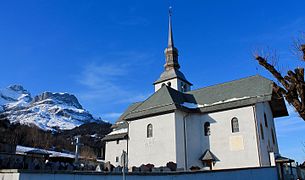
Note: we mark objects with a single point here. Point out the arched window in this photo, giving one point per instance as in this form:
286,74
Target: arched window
273,136
207,130
169,84
185,87
262,131
182,87
149,130
234,125
265,118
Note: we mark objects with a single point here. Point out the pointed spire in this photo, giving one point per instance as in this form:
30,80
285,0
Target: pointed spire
171,67
171,53
170,31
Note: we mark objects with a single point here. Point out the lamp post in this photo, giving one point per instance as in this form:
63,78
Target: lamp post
77,145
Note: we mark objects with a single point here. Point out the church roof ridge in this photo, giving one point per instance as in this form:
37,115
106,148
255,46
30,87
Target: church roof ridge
242,92
229,82
164,100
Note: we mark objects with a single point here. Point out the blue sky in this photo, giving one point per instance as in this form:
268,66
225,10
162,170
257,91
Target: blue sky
108,53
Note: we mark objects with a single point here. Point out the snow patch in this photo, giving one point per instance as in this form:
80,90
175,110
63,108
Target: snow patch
51,113
94,135
194,106
191,105
119,131
24,149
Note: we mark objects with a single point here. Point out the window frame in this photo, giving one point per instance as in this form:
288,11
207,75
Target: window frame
149,131
234,125
207,128
169,84
262,131
266,120
273,136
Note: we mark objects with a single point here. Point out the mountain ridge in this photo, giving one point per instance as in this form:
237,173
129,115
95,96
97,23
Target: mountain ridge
49,110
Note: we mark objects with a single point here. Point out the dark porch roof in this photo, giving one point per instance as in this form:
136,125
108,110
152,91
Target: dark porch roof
208,156
113,137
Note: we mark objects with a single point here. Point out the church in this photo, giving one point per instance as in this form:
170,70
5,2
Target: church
229,125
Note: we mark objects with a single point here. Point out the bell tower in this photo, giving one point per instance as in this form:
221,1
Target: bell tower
171,75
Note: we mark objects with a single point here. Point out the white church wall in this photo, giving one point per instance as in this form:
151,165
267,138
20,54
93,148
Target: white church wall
266,143
114,150
230,148
175,84
238,149
157,150
180,145
195,141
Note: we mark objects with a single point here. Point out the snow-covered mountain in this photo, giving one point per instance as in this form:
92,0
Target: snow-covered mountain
48,111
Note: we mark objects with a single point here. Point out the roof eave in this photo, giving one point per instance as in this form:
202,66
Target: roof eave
114,137
235,104
177,107
278,106
136,117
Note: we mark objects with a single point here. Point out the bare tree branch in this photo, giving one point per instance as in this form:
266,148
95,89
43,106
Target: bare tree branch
292,85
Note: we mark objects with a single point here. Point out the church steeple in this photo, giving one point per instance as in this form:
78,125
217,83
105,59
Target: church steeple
171,53
170,30
171,75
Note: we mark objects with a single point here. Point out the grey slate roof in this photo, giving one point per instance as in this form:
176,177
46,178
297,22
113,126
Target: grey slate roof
115,137
245,91
208,156
171,74
164,100
238,93
119,123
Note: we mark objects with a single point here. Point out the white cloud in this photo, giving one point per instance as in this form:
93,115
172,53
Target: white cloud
108,82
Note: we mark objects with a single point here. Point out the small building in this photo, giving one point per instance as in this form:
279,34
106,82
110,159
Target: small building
229,125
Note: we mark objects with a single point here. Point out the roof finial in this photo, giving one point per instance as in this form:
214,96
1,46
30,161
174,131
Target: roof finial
170,31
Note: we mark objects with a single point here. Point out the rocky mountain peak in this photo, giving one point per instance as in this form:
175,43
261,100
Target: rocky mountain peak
18,88
48,111
14,95
60,98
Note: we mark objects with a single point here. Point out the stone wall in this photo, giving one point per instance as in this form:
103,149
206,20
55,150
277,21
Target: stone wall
269,173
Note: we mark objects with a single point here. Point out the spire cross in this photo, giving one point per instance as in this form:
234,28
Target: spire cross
170,10
170,32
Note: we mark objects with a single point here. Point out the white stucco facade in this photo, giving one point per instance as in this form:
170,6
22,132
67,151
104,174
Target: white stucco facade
268,141
175,83
158,149
179,137
230,148
114,150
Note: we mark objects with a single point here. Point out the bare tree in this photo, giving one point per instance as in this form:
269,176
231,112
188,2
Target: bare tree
292,85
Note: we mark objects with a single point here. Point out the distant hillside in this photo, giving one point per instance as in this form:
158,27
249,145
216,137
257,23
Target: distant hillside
49,120
91,134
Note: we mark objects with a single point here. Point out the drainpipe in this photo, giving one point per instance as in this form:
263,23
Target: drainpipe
257,136
185,141
127,144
